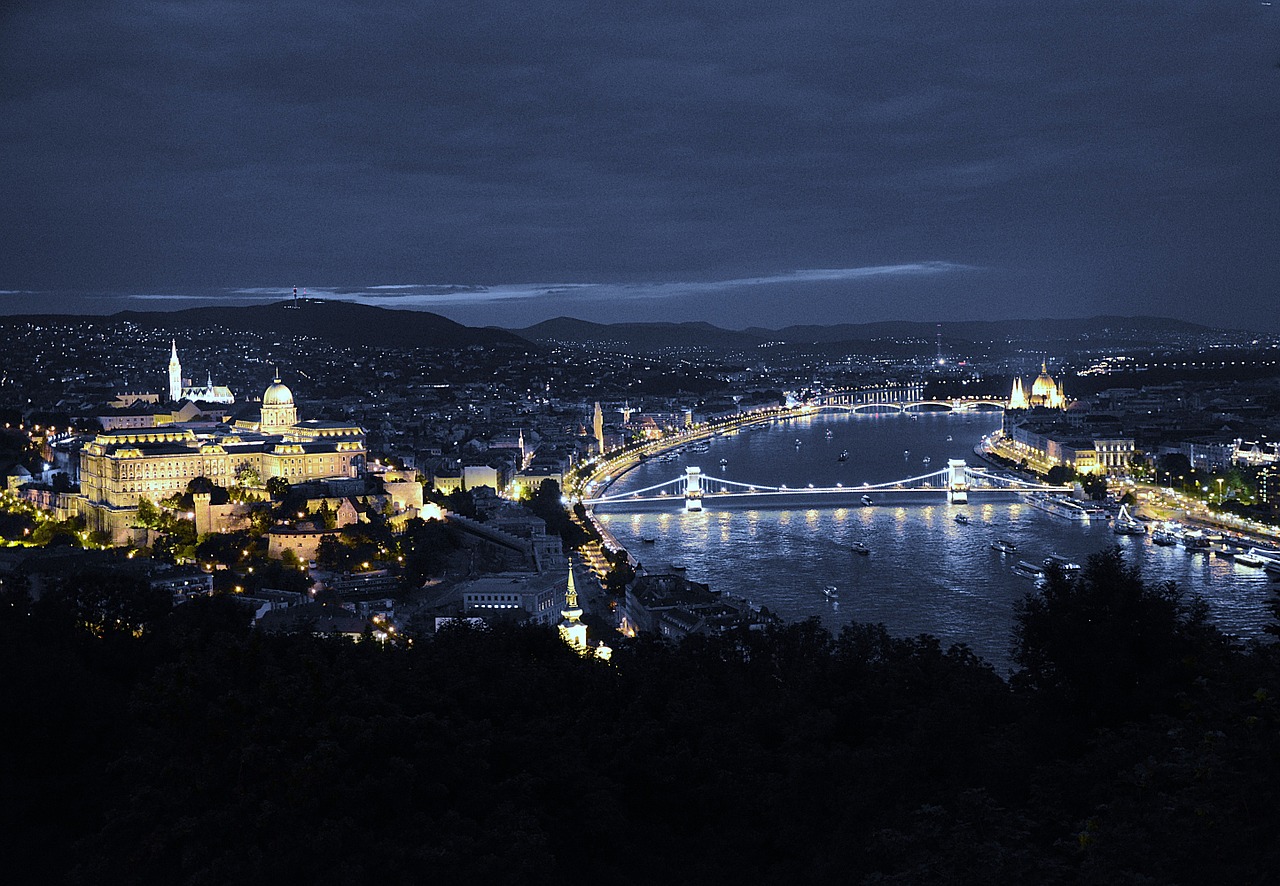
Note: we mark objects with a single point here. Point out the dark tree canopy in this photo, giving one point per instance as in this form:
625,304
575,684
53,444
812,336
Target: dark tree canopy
1107,645
200,751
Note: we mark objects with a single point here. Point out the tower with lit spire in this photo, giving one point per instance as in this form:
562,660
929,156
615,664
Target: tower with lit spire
175,373
1018,399
597,427
572,630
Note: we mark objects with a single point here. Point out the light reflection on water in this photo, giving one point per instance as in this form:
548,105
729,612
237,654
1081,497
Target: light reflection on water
926,573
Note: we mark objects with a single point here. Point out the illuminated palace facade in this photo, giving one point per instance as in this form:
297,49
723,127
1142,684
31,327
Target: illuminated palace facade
120,467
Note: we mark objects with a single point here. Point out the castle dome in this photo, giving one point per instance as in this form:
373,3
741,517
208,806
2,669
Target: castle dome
277,395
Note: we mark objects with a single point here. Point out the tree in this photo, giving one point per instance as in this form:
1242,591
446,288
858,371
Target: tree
227,548
1095,486
328,515
247,475
1173,465
278,488
106,602
1106,646
148,514
427,546
55,533
1060,475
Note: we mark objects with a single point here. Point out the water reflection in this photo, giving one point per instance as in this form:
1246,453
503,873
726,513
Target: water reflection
926,573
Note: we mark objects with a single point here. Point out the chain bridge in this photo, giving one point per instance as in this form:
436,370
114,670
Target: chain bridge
957,481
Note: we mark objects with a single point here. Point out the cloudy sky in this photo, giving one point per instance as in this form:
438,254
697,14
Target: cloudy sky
739,162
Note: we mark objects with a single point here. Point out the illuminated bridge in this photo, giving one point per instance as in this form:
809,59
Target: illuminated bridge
903,398
957,481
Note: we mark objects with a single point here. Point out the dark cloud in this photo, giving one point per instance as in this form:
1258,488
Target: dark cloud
1085,156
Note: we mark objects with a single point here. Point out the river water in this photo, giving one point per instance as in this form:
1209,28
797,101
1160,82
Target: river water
926,572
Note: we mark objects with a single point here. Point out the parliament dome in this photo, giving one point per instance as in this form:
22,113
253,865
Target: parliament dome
1044,385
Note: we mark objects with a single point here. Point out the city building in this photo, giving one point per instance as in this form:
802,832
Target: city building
1045,392
120,467
181,388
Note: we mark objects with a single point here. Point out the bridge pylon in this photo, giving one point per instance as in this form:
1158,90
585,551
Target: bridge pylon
957,482
692,489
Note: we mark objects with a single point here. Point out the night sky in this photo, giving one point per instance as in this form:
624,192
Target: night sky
740,162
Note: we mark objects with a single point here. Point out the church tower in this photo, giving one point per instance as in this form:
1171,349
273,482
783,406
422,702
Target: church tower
572,630
1018,399
175,374
597,427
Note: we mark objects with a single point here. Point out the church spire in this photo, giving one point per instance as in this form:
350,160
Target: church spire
571,610
572,630
175,372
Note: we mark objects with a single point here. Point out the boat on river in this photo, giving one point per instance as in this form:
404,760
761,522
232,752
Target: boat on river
867,500
859,548
1249,558
1195,542
1004,546
1059,506
962,519
1166,535
1027,569
844,455
830,591
1062,564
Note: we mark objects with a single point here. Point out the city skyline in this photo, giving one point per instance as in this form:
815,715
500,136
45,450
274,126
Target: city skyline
756,166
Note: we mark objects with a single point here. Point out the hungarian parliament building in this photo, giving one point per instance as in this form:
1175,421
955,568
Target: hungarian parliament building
121,466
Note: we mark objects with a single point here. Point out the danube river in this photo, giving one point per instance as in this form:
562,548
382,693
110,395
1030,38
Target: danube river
925,572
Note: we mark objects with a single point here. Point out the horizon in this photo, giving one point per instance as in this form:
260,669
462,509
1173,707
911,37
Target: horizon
114,304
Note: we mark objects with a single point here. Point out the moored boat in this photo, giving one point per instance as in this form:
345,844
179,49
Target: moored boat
1195,542
1062,564
1027,569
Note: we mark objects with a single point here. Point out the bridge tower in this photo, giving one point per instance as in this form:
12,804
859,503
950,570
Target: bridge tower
692,489
957,482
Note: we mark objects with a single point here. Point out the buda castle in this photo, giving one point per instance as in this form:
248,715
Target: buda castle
121,466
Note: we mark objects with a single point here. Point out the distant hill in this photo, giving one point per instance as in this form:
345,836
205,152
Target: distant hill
344,323
655,336
643,336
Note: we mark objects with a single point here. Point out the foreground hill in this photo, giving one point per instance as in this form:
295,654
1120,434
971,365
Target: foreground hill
1134,746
